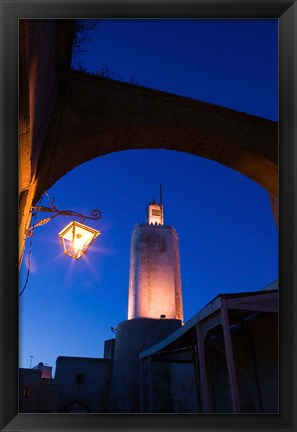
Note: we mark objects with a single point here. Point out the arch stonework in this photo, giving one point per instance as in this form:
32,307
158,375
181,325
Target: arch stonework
68,118
95,116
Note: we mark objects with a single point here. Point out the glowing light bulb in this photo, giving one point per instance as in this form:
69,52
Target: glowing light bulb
77,238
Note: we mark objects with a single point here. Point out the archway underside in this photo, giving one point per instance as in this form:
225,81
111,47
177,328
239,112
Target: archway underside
95,116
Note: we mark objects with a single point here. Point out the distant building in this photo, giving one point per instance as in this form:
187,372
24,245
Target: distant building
46,371
84,383
223,360
38,392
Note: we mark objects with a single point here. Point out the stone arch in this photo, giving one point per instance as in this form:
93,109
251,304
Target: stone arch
77,405
95,116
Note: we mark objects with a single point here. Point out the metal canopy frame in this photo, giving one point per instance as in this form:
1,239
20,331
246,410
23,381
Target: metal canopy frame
225,311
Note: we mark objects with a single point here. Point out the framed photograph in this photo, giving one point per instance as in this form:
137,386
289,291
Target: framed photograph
148,214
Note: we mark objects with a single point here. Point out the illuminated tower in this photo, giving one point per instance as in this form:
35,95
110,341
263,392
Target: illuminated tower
154,281
154,307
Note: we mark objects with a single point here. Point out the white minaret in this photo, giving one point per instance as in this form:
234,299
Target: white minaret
155,289
155,305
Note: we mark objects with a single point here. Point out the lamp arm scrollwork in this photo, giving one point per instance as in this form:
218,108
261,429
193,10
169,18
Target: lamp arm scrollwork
95,215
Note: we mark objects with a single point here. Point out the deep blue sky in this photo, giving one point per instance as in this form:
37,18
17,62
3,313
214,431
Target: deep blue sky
228,237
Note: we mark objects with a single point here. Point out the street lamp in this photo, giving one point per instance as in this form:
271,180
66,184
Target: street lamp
77,238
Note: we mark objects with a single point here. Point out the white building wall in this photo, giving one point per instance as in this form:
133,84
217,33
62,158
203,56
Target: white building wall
154,279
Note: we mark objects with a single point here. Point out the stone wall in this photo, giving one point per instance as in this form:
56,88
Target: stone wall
83,381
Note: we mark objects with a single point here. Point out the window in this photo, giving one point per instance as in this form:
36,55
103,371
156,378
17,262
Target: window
79,379
26,392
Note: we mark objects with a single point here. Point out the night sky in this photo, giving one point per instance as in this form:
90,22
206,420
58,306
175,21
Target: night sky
228,237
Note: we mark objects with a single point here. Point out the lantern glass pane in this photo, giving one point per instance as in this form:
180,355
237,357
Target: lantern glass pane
77,238
83,233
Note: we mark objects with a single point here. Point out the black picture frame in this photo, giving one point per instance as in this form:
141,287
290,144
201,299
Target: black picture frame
286,13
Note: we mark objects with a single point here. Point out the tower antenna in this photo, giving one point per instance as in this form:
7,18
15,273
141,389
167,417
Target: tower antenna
160,194
31,356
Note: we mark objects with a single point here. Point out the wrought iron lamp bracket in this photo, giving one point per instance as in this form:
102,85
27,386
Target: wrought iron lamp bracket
95,215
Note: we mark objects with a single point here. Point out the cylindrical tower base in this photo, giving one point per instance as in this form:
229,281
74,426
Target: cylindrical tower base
134,336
